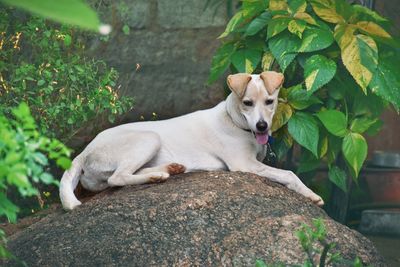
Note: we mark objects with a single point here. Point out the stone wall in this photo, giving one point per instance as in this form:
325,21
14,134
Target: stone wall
173,43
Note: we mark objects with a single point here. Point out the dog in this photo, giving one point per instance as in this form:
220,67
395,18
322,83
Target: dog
231,136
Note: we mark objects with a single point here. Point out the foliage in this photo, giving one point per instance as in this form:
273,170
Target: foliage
314,243
309,237
24,155
340,72
41,65
74,12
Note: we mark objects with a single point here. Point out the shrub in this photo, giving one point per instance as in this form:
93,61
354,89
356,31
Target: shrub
340,72
24,154
41,64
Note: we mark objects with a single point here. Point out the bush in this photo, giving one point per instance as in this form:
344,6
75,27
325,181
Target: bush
340,67
41,64
24,154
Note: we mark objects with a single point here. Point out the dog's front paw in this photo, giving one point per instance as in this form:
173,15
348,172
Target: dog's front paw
316,199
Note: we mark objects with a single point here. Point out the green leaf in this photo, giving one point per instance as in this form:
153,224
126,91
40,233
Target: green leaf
375,128
74,12
305,17
280,46
318,71
11,158
304,129
22,111
281,117
126,29
7,208
46,178
322,146
300,99
67,40
18,179
41,82
373,29
334,121
359,54
234,23
64,162
277,25
355,151
386,81
360,125
267,61
334,147
278,5
297,6
246,60
40,158
361,13
255,43
258,23
221,61
297,27
315,39
282,143
338,177
308,162
249,10
260,263
326,10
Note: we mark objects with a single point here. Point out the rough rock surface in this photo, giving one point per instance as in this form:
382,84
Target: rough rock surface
197,219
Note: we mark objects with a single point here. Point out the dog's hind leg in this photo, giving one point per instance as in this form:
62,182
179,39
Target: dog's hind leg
143,148
146,175
172,169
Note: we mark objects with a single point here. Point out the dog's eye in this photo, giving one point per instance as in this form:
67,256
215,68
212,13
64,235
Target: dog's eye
269,101
248,103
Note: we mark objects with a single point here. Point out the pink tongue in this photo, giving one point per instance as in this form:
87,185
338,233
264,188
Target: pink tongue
262,139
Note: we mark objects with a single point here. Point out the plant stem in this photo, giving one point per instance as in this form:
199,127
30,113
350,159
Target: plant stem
322,260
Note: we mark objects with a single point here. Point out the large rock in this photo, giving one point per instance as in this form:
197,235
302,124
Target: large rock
199,219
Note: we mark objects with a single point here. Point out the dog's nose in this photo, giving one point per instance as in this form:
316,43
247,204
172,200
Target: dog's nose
262,126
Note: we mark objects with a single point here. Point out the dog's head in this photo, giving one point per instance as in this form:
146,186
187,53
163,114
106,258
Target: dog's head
258,95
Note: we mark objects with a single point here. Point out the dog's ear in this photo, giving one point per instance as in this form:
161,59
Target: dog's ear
238,83
272,80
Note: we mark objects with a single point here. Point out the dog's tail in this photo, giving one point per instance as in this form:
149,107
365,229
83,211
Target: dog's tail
68,183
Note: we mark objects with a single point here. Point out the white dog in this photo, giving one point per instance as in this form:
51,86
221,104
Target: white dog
230,136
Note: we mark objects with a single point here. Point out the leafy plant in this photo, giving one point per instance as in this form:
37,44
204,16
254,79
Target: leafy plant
314,243
24,155
339,62
310,237
42,65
